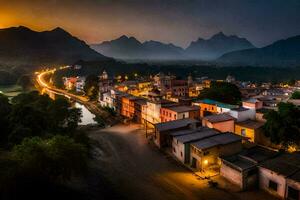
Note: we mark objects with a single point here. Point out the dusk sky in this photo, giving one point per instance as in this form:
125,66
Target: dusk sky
176,21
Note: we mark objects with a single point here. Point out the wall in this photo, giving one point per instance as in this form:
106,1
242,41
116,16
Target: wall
243,115
250,133
232,175
292,184
227,126
265,175
178,150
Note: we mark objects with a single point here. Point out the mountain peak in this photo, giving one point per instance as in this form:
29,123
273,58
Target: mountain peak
123,37
219,35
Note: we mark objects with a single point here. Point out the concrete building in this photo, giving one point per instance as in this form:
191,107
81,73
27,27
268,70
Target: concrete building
171,113
250,130
276,175
242,114
181,143
208,106
163,130
241,169
220,122
206,152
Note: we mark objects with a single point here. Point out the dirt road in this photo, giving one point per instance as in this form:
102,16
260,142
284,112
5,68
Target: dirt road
139,171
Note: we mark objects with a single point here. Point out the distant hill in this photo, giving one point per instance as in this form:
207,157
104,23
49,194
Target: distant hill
129,48
281,53
216,46
22,46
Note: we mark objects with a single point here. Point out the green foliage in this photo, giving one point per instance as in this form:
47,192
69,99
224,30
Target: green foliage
31,114
110,111
91,87
223,92
296,95
100,121
283,126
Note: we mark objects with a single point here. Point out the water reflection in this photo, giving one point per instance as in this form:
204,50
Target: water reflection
87,116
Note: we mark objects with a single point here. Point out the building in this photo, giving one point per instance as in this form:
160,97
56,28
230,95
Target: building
105,84
179,88
139,106
253,104
279,175
208,106
80,82
250,130
242,169
206,152
69,82
163,130
242,114
220,122
128,107
170,113
182,139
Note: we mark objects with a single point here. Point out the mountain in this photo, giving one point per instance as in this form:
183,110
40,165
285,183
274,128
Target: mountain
22,46
216,46
281,53
129,48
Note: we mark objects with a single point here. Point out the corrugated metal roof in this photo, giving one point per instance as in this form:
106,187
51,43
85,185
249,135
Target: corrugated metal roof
198,135
219,118
175,124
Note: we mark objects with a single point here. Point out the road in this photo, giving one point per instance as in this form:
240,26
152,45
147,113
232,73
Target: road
138,170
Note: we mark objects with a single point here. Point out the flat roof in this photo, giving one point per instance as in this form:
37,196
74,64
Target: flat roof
219,139
251,100
240,109
219,118
250,124
238,162
258,154
198,135
180,109
217,103
286,164
165,126
295,177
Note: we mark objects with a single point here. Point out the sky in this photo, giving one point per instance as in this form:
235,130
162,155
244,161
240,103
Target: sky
172,21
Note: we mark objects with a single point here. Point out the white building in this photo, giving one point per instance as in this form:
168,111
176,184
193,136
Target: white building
242,114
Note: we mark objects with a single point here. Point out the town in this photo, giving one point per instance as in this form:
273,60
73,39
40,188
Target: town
209,137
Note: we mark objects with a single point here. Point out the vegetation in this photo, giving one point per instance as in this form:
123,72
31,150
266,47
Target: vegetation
283,126
223,92
91,87
296,95
42,148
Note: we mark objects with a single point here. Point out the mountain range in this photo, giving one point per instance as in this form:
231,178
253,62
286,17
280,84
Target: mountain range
281,53
23,46
210,49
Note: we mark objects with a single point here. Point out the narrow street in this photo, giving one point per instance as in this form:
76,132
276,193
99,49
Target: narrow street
138,170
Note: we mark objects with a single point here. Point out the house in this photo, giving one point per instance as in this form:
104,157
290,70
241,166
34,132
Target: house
105,84
152,110
293,186
128,108
253,104
139,106
181,143
179,88
250,130
220,122
170,113
278,176
162,130
208,106
242,169
79,85
242,113
107,100
206,152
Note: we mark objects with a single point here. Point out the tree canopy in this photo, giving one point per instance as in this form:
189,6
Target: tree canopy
223,92
283,126
296,95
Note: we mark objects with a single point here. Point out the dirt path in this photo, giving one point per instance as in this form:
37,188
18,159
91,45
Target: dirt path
139,171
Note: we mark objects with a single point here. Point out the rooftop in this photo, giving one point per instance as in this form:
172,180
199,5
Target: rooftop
165,126
258,154
238,162
240,109
219,118
197,135
251,100
219,104
180,109
286,164
250,124
219,139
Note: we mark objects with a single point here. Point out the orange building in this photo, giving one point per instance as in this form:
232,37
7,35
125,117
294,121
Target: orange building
220,122
128,107
253,104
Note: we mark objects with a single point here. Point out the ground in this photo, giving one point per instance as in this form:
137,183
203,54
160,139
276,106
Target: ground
138,170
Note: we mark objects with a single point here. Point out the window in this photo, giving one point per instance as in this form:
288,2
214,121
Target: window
174,150
181,154
205,153
174,116
293,194
243,132
273,185
183,116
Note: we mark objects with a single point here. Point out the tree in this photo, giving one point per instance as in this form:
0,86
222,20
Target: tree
223,92
91,87
283,126
296,95
5,109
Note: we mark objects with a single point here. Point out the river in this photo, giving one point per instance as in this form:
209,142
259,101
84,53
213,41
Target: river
87,116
